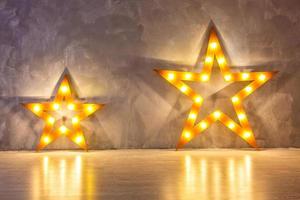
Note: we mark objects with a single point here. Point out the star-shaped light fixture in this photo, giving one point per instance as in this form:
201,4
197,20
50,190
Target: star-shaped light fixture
214,51
62,116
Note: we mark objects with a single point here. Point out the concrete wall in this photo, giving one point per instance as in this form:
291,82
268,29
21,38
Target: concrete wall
111,48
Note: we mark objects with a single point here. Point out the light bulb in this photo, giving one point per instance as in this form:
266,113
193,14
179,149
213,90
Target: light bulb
248,89
188,75
75,120
56,106
71,106
51,120
64,88
241,116
221,60
262,77
46,139
217,114
198,99
171,76
246,134
187,135
203,125
213,45
235,99
227,77
231,125
208,59
78,139
36,108
192,116
183,88
63,129
90,108
245,75
204,77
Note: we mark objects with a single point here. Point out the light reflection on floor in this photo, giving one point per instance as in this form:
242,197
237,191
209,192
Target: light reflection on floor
151,174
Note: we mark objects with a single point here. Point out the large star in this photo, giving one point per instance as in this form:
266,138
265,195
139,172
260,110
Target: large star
255,79
62,116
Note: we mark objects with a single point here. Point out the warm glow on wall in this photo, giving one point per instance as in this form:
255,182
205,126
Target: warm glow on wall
56,119
178,78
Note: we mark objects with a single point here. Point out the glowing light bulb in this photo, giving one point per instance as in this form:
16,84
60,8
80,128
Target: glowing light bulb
213,45
188,75
245,75
231,125
246,134
75,120
203,125
79,139
171,76
192,116
63,129
228,77
262,77
46,139
217,114
56,106
183,88
248,89
208,59
90,108
64,88
235,99
198,99
71,106
51,120
204,77
36,108
187,135
221,60
241,116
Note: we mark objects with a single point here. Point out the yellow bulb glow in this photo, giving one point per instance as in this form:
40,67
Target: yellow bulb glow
217,114
192,116
246,134
51,120
183,88
75,120
46,139
36,108
231,125
63,129
262,77
171,76
248,89
187,135
208,59
235,99
188,75
213,45
198,99
64,88
90,108
79,139
221,61
245,75
204,77
228,77
71,106
56,106
203,125
241,116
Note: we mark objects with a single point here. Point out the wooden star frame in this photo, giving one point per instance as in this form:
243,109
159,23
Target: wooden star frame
214,51
62,125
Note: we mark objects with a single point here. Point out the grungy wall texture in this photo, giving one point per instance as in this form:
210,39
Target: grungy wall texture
111,48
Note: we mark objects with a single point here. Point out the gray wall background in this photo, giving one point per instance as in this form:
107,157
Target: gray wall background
111,48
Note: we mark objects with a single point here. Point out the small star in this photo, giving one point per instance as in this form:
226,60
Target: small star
177,78
62,116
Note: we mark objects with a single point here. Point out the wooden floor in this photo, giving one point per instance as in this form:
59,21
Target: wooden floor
151,174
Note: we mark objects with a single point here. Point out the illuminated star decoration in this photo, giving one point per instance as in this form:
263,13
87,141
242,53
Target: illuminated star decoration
242,128
62,116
